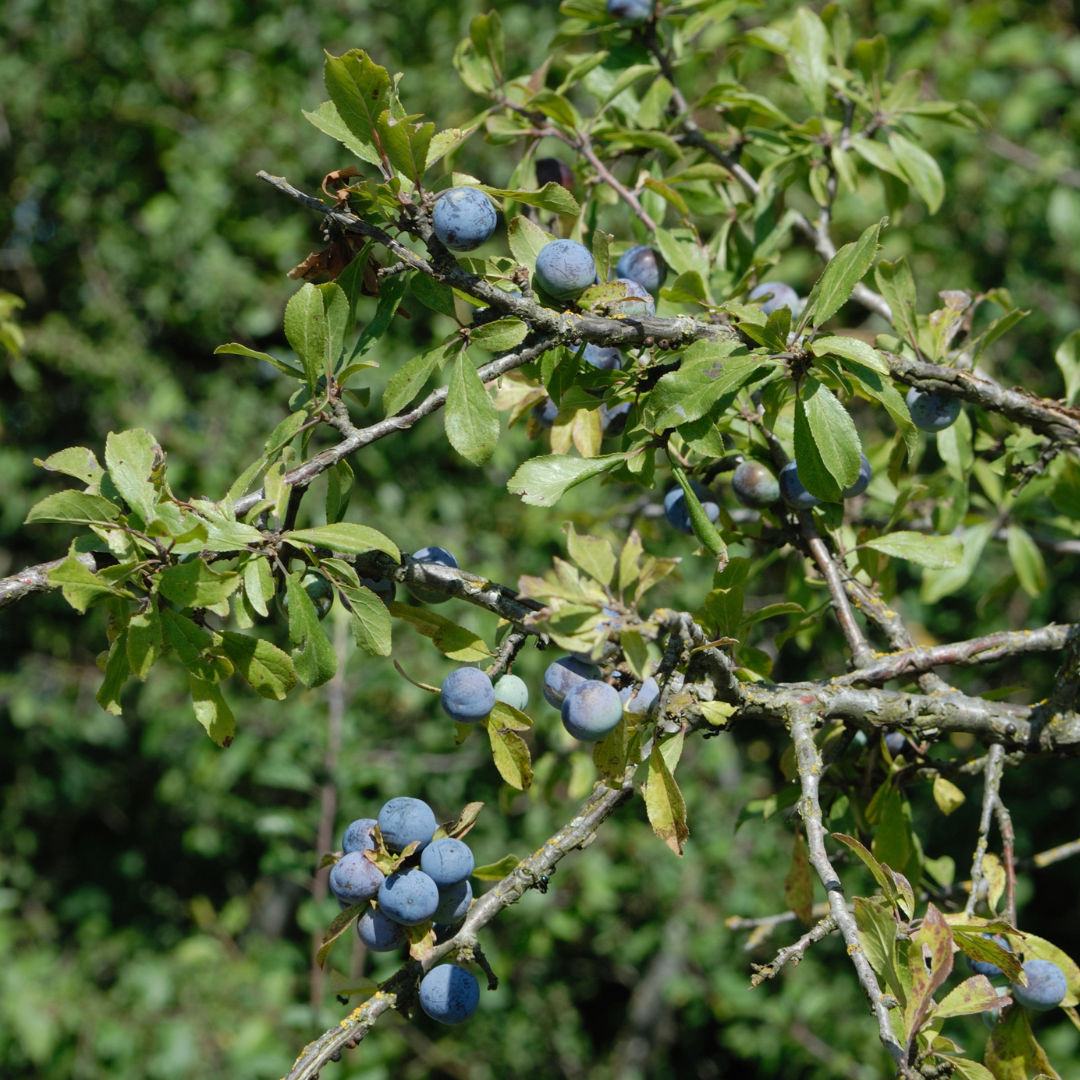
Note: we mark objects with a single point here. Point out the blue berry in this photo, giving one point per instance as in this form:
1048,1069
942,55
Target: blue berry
355,878
636,302
512,691
467,695
563,675
591,710
755,485
383,588
631,11
640,702
932,412
643,265
463,218
545,413
675,509
792,490
449,994
601,358
441,557
1046,986
403,820
379,933
408,897
358,836
782,296
613,420
454,901
862,481
896,741
565,269
980,967
447,861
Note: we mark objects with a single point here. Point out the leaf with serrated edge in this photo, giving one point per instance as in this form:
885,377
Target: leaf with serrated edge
511,755
341,923
973,995
313,656
542,481
212,711
496,871
933,552
345,537
665,805
845,270
471,419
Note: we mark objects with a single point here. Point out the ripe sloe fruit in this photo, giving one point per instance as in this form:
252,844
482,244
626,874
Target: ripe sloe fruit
792,490
639,703
1046,986
643,265
449,994
565,269
862,481
439,556
755,485
403,820
636,303
591,710
782,295
354,878
408,897
563,675
512,691
984,967
383,588
896,741
447,861
675,509
631,11
551,170
545,413
613,420
467,695
358,836
601,358
463,218
932,412
454,903
379,933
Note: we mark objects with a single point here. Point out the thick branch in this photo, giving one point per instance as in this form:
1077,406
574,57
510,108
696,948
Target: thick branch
35,579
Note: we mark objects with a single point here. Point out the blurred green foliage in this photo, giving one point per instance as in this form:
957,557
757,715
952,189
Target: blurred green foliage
155,906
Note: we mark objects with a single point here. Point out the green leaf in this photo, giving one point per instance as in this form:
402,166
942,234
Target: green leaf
259,584
338,491
877,936
878,155
496,871
370,622
212,711
313,655
486,33
391,290
434,294
939,583
921,170
449,638
193,584
1066,356
593,555
269,670
871,863
947,795
601,253
973,995
77,461
1012,1052
527,240
360,90
1027,561
242,350
308,333
933,552
845,270
706,375
73,508
411,377
542,481
405,143
342,921
826,442
82,588
129,457
799,884
193,644
703,528
117,670
954,446
881,388
472,421
445,141
511,754
345,537
145,638
896,284
808,56
552,197
499,335
851,349
664,803
336,310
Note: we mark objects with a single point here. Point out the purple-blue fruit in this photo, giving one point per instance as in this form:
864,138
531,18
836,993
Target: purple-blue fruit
755,485
467,695
862,481
454,901
643,265
781,296
613,420
441,557
895,741
677,512
636,302
355,878
449,994
403,820
358,836
379,933
932,412
563,675
603,359
551,170
792,490
383,588
408,897
512,691
463,218
447,862
983,967
565,269
545,413
1046,986
637,701
631,11
591,710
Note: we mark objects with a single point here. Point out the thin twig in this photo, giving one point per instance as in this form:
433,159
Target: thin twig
794,952
1008,855
990,796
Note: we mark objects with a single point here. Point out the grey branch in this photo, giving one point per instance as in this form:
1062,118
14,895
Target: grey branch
991,793
35,579
794,952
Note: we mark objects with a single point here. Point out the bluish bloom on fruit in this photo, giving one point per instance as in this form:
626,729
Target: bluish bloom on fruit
565,269
613,420
512,691
591,710
463,218
980,967
441,557
677,513
862,481
355,878
602,359
545,412
467,695
895,741
379,933
563,675
755,485
932,412
403,820
640,703
447,861
449,994
358,836
636,302
779,295
408,897
454,901
643,265
1046,986
631,11
551,170
792,490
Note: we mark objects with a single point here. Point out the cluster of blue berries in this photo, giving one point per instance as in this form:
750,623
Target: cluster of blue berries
591,708
430,886
1046,987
